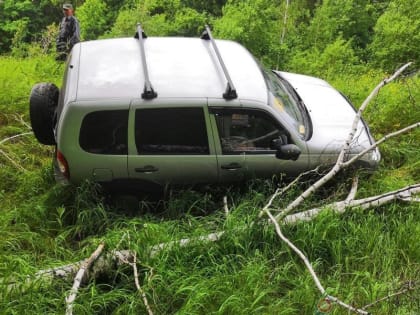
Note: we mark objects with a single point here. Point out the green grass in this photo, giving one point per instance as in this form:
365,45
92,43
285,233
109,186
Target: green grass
360,256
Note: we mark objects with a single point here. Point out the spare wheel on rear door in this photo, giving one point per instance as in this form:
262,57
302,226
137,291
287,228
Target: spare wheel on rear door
42,104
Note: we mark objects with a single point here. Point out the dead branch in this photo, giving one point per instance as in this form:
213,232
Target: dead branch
410,285
12,161
212,237
139,288
20,119
353,190
309,266
15,136
339,163
377,143
126,259
365,203
225,206
280,191
79,276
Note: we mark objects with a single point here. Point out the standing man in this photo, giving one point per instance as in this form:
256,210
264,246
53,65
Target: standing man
69,34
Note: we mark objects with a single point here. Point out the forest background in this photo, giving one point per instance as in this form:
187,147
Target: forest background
360,256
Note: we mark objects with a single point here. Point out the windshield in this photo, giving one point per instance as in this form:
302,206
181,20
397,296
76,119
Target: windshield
285,100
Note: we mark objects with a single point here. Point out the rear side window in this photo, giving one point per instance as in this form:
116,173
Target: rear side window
171,131
105,132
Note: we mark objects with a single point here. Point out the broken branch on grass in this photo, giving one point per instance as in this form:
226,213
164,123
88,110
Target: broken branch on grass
353,190
280,191
365,203
309,266
377,143
127,260
409,285
212,237
15,136
79,276
12,161
339,163
225,206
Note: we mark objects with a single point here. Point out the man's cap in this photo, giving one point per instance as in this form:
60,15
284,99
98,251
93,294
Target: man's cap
67,6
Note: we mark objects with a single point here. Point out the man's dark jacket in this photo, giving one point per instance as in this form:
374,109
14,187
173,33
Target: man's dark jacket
69,31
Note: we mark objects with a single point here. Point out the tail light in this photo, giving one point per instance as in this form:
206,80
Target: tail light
63,165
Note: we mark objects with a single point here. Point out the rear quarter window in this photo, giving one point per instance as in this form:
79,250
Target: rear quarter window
105,132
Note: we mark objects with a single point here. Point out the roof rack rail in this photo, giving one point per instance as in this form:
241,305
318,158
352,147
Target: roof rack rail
230,92
148,92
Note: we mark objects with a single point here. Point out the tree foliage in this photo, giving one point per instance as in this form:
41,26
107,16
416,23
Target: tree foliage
93,16
397,34
379,32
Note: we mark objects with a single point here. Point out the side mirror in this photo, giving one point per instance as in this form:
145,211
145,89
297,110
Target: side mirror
288,152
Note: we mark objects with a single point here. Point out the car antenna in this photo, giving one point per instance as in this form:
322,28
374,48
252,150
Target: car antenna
230,92
148,92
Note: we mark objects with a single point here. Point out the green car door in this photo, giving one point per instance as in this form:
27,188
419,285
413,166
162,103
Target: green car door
171,143
248,134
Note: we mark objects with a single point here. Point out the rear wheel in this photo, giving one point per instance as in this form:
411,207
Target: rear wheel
42,105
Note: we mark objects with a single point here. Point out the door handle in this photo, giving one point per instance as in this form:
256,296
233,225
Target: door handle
231,166
146,169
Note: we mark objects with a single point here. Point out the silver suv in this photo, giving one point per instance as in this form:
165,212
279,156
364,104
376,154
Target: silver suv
170,110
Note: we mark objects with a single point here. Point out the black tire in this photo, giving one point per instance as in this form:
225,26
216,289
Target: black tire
42,105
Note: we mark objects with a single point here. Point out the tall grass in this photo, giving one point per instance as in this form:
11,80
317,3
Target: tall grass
360,256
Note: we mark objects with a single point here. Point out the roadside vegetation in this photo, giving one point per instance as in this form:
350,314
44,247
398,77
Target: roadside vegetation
361,256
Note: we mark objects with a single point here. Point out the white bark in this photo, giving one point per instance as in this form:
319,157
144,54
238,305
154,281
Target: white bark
309,266
377,143
283,32
12,161
212,237
225,206
339,163
15,136
78,279
405,193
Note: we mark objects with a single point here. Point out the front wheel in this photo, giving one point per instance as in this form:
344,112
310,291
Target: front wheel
42,105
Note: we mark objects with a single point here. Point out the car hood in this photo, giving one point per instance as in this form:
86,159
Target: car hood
331,114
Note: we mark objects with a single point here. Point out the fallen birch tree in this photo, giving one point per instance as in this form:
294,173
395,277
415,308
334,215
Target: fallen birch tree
404,193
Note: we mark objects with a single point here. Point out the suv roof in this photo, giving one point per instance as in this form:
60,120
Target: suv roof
178,67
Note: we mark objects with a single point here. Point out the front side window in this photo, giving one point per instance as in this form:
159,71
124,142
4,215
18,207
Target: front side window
171,131
247,131
105,132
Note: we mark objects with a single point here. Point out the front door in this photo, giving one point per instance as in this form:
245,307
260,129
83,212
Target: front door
170,144
248,134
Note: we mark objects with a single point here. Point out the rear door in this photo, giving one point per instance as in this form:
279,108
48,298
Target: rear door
171,143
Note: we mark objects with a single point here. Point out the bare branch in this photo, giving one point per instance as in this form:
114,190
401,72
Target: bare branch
377,143
12,161
409,199
15,136
22,121
280,191
365,203
408,287
339,163
212,237
125,258
225,206
309,267
353,190
79,276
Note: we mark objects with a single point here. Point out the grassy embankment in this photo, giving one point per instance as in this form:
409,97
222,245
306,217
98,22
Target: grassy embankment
360,256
